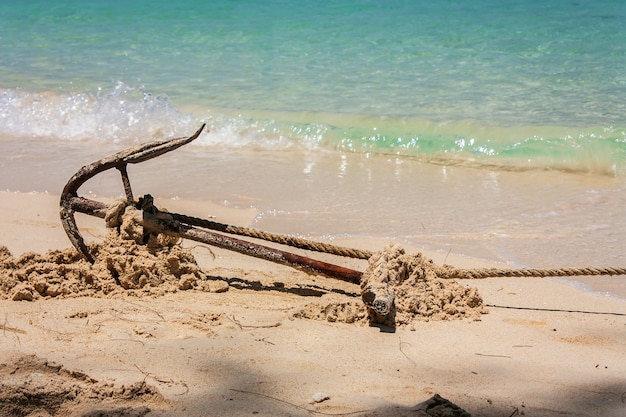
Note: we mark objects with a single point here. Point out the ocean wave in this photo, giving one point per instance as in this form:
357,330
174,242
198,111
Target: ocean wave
120,115
128,115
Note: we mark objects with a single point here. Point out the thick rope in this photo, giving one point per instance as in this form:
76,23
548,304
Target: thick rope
480,273
276,238
445,272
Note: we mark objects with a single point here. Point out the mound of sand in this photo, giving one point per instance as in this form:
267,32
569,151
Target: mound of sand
398,289
31,386
122,265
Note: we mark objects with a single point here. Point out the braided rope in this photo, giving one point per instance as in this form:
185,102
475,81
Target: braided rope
276,238
445,272
480,273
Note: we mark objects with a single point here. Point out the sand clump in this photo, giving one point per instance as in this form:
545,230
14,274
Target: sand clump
32,386
398,289
122,266
417,291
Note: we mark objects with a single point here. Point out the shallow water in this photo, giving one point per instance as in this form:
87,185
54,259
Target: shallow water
501,84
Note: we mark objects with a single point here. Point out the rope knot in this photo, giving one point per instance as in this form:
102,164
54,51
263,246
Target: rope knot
115,212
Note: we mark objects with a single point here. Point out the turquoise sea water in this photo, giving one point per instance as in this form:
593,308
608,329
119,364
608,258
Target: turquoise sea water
495,129
508,84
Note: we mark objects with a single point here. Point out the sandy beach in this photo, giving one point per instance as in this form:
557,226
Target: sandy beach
442,141
236,345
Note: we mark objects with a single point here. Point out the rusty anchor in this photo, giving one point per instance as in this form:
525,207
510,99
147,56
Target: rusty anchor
377,291
200,230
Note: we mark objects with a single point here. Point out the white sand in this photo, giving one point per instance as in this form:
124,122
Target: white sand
241,353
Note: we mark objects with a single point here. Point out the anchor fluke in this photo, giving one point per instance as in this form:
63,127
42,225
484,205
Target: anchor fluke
71,202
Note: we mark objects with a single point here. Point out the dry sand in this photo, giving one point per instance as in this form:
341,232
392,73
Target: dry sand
234,335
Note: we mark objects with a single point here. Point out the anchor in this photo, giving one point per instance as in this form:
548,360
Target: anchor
155,221
377,292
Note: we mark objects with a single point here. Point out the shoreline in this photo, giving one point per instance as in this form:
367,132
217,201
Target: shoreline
43,210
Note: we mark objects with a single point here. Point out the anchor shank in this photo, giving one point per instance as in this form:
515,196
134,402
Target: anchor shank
269,254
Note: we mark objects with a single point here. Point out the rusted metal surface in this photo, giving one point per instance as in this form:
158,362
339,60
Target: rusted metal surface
271,254
172,227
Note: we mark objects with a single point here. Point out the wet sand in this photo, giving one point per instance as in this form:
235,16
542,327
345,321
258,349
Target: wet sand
536,219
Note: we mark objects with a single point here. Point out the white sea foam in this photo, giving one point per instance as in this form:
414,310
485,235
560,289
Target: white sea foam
120,115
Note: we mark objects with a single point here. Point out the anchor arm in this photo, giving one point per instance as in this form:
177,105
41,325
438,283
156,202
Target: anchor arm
70,201
135,155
